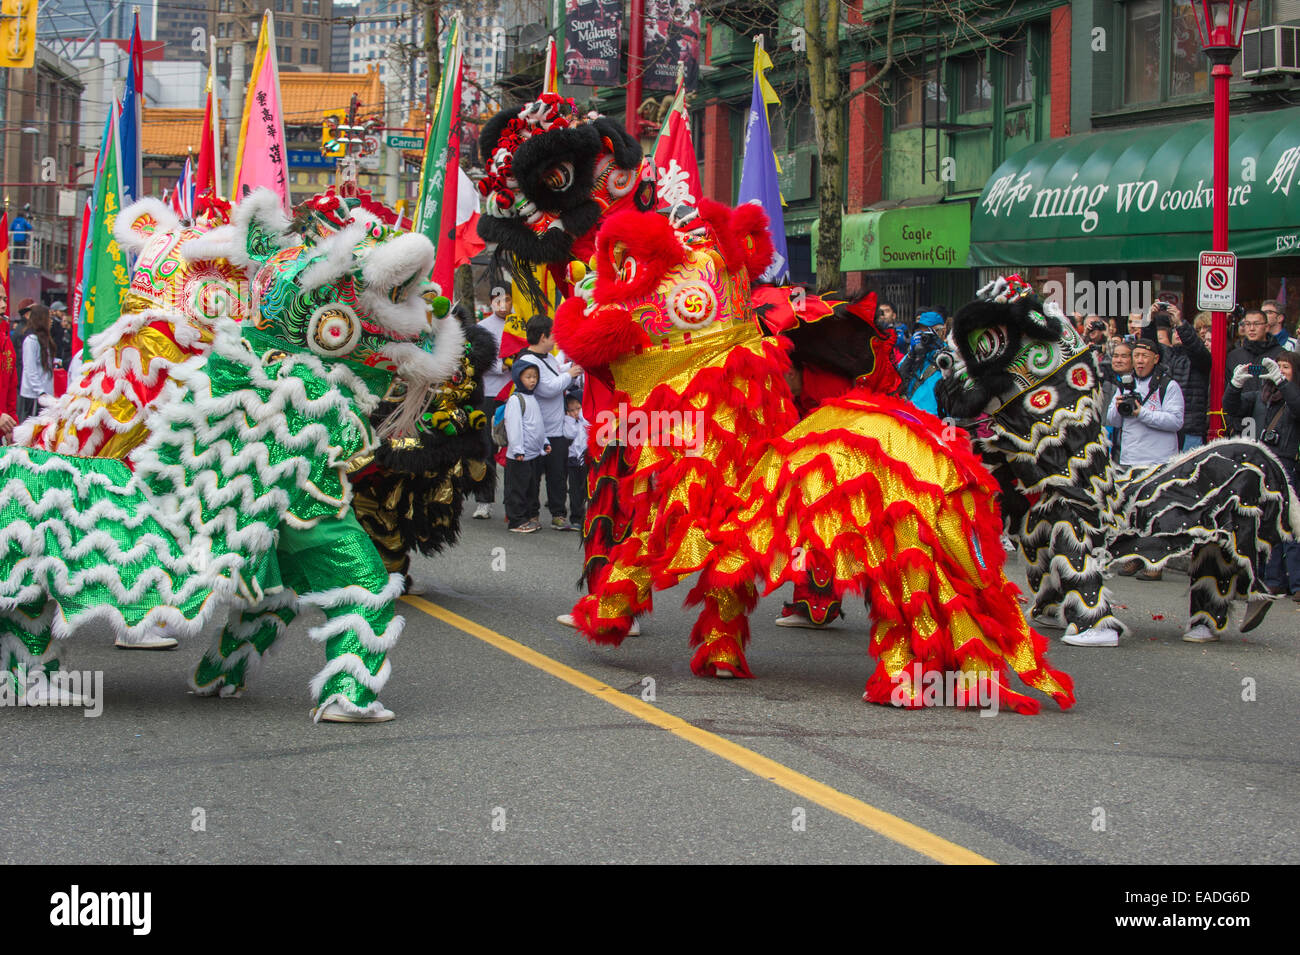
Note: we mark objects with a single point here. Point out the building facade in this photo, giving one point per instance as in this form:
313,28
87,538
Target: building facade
41,164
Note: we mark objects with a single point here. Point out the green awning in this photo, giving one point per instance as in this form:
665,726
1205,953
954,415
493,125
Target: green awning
909,237
1142,195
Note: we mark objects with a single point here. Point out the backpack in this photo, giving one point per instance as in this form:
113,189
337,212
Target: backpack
499,435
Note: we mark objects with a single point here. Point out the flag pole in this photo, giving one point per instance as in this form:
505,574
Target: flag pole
215,131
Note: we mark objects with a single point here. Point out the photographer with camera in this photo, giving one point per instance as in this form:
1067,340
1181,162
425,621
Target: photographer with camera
1271,415
918,371
1148,411
1147,408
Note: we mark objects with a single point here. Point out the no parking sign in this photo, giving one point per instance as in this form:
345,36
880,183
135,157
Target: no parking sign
1217,289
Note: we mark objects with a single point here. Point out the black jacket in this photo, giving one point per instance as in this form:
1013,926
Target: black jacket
1264,405
1248,353
1196,389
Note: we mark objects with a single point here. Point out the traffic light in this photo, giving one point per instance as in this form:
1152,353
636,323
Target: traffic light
17,33
333,144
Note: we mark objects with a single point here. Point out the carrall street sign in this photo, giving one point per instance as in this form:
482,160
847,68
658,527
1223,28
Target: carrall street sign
1217,289
406,142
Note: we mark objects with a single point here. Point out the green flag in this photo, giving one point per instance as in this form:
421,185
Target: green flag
106,276
433,172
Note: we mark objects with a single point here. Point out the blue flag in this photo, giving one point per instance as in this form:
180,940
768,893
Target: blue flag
758,182
128,129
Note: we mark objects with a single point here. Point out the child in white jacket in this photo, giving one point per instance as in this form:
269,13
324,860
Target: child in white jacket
575,429
525,452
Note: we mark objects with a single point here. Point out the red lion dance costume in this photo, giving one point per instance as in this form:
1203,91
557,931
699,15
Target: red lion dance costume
703,466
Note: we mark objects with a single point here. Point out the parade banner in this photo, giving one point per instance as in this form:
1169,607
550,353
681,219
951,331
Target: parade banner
672,37
207,179
677,174
758,175
592,29
261,152
4,263
106,274
131,123
438,184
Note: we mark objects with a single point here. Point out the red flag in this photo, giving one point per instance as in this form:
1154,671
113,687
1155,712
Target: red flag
205,178
676,170
444,267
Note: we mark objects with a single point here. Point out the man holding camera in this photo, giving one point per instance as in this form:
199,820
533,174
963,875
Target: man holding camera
1148,410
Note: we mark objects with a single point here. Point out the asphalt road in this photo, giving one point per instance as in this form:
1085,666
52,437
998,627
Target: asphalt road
494,759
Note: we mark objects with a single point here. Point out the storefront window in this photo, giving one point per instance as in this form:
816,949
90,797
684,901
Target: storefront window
973,77
1161,65
1190,72
911,93
1142,51
1020,74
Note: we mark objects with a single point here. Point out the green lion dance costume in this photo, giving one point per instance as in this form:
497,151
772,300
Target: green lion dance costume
238,510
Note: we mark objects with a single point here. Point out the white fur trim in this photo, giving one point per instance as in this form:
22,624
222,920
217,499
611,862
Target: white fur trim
389,266
263,206
356,595
336,257
217,243
353,665
124,228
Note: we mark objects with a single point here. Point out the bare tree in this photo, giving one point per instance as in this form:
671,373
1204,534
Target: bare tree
824,36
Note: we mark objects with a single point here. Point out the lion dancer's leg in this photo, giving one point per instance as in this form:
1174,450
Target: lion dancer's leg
954,620
617,590
237,653
727,596
1213,583
1062,549
29,656
334,566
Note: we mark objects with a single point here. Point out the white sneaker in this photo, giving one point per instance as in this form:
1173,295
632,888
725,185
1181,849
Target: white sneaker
799,620
568,621
722,674
154,639
483,512
335,713
1200,634
1092,637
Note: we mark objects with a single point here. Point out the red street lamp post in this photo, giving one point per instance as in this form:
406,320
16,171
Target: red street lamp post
1221,23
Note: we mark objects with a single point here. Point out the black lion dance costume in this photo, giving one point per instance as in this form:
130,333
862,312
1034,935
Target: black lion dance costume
1035,385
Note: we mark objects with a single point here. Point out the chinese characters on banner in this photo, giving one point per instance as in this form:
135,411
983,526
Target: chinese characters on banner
672,36
591,42
261,155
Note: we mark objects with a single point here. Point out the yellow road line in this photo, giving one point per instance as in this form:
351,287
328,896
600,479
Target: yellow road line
877,820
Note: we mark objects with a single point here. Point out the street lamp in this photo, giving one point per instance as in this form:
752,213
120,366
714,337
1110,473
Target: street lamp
1221,23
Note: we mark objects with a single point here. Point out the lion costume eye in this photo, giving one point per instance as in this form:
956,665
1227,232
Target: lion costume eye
559,177
333,330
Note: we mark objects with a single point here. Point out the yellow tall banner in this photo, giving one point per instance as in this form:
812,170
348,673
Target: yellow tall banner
18,33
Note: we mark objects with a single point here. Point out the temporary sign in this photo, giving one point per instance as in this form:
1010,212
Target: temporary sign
1217,289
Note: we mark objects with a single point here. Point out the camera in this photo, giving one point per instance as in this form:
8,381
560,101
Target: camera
1270,437
1128,402
1160,307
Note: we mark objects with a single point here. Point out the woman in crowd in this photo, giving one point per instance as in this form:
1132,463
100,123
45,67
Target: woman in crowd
38,362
